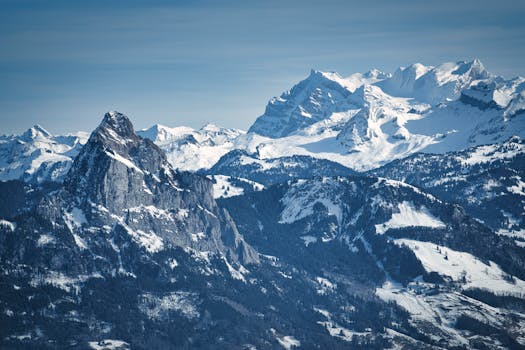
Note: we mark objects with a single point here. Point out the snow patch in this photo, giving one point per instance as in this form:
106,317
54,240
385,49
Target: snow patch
153,211
223,186
124,161
464,268
44,240
491,153
518,189
324,286
62,281
336,330
81,243
109,344
148,240
74,220
288,342
11,226
159,307
308,240
410,216
195,237
172,263
300,200
236,274
340,332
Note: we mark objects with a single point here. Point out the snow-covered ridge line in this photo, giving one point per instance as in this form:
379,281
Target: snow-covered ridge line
367,120
361,122
190,149
38,156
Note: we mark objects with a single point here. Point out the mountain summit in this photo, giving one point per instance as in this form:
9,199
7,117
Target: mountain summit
123,174
115,123
313,99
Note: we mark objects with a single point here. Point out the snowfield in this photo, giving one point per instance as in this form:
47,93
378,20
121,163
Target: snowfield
109,344
225,186
410,216
464,268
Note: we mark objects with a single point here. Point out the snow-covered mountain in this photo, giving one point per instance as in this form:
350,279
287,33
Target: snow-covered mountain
362,122
190,149
435,84
37,156
312,100
366,120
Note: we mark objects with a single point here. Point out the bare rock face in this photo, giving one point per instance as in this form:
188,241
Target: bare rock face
115,167
122,179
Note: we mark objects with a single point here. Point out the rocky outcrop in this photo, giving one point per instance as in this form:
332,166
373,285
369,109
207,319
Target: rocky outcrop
122,179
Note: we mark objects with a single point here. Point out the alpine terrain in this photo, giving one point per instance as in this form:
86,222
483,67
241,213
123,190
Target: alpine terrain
375,211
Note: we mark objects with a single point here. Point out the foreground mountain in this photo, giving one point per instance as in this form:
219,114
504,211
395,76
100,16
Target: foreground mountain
456,283
36,156
122,175
130,253
124,232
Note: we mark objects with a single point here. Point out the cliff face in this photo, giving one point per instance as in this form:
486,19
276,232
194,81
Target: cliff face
120,178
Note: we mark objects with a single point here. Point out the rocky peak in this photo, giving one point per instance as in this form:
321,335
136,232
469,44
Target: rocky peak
475,69
119,123
120,178
375,73
114,166
115,132
210,127
36,132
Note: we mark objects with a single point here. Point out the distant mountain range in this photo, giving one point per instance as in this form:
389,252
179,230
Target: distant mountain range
378,211
361,122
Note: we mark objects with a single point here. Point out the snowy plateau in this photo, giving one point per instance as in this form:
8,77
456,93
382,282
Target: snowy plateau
375,211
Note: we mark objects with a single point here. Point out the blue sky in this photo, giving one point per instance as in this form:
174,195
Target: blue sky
64,63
